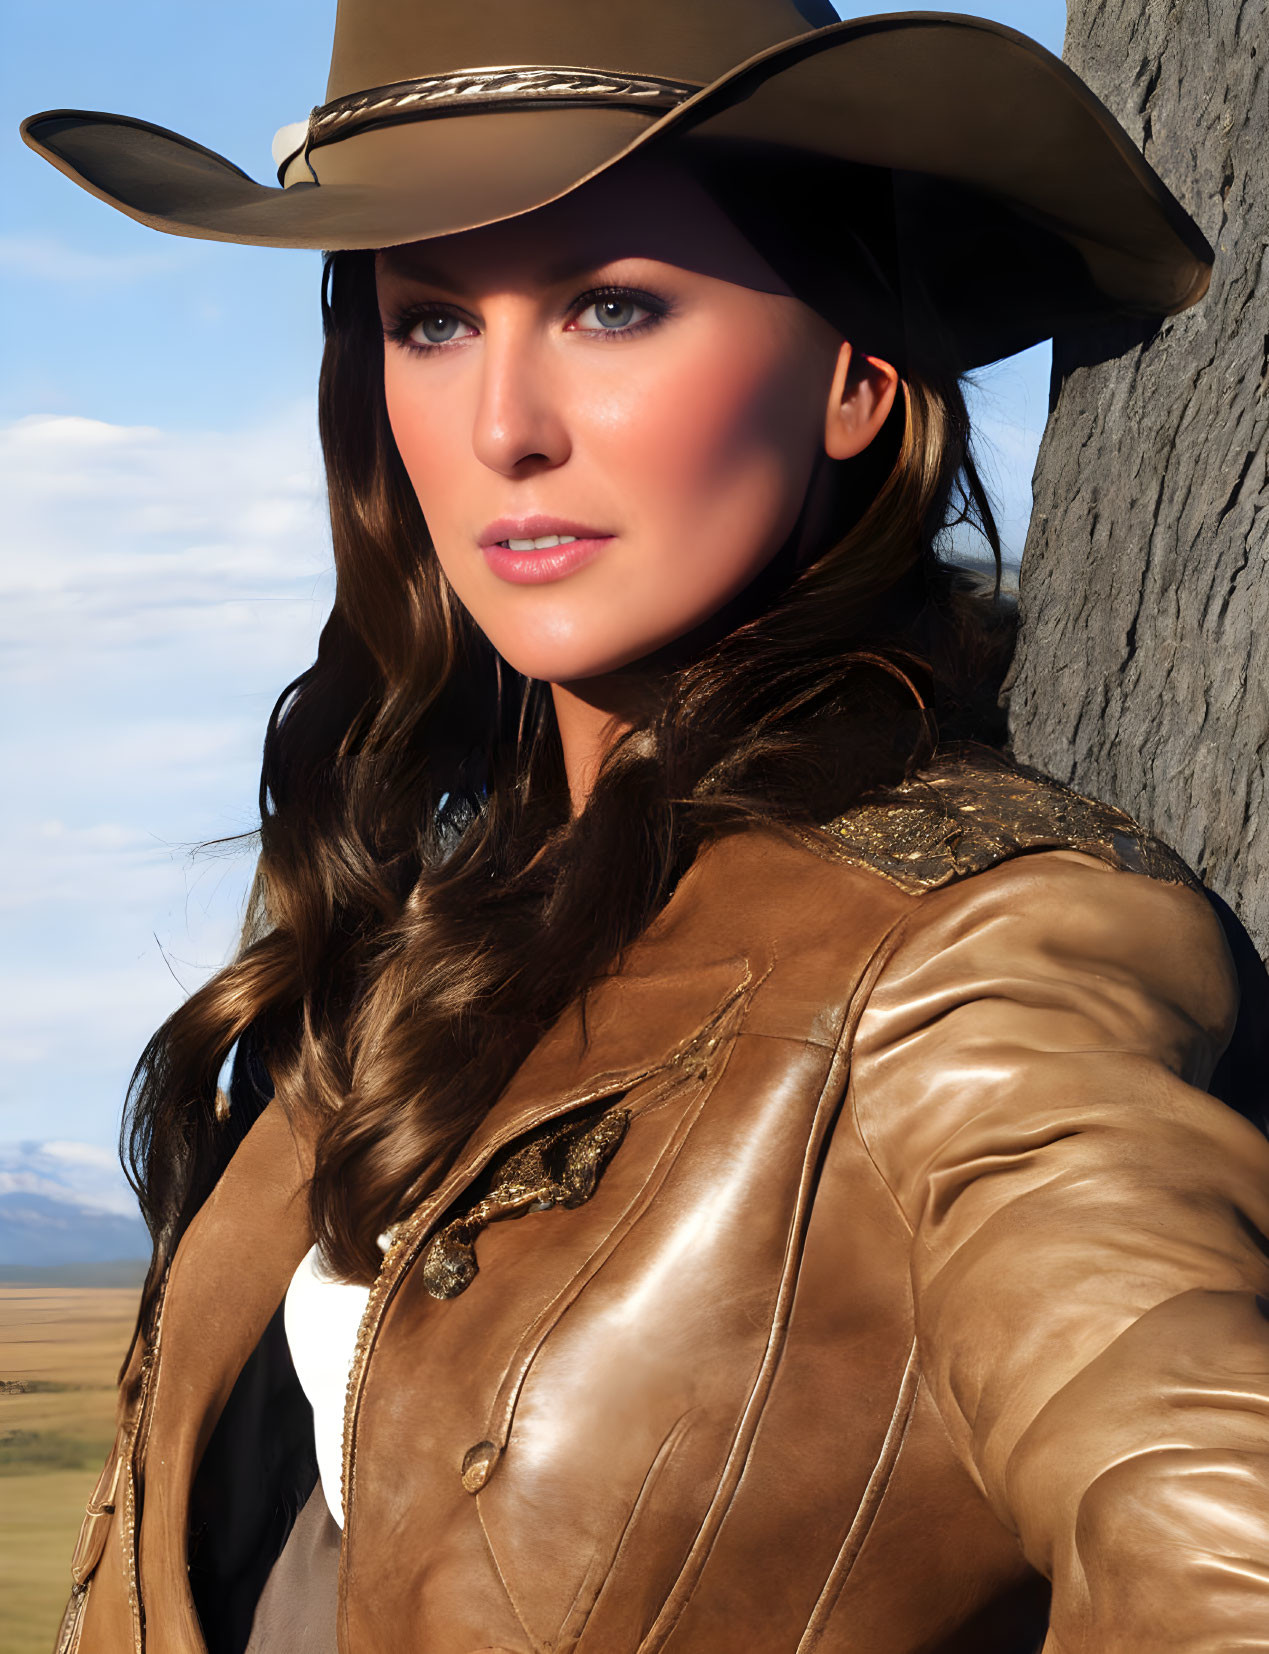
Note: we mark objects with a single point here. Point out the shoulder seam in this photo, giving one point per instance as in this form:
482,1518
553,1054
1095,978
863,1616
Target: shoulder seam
963,814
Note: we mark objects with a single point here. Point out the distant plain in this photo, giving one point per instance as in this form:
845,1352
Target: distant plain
60,1350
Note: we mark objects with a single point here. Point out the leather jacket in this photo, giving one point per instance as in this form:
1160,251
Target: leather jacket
879,1266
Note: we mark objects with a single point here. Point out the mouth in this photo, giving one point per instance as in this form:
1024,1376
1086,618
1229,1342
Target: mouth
543,542
533,551
543,558
527,534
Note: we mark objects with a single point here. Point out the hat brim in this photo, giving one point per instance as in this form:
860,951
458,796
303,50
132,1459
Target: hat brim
1019,169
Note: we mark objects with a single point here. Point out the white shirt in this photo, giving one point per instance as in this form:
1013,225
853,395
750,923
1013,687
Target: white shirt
322,1316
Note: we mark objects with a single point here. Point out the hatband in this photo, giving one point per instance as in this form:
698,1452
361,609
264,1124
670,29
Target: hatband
485,91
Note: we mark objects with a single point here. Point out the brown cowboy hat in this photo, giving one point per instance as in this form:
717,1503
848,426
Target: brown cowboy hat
1018,197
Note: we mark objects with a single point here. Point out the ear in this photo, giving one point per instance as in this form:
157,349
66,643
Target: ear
859,402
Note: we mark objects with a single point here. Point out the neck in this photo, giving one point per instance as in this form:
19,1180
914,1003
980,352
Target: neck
591,714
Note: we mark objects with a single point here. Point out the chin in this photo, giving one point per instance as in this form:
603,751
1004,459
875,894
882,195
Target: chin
550,666
557,661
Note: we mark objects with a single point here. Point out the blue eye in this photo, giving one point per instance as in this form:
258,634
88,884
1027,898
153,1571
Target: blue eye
610,313
615,312
436,328
618,312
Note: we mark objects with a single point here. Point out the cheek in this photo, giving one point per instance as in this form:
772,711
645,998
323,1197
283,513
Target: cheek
425,431
721,468
435,448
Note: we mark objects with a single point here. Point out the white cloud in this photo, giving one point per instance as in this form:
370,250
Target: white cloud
76,864
128,537
157,590
86,1174
47,258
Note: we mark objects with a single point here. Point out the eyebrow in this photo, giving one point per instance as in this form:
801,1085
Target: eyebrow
407,263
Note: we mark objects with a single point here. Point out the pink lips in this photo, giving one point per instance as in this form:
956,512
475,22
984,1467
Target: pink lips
526,568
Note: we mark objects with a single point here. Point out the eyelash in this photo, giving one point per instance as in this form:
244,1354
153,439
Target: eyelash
407,320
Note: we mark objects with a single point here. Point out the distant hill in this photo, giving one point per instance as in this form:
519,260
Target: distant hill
116,1272
64,1204
35,1230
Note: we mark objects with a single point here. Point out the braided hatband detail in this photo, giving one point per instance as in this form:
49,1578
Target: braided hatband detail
482,90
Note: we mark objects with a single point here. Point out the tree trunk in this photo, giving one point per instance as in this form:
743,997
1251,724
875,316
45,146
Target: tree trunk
1142,675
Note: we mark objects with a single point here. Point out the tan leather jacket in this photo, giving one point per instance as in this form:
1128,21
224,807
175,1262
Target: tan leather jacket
878,1259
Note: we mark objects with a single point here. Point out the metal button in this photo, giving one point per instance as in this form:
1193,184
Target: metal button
478,1465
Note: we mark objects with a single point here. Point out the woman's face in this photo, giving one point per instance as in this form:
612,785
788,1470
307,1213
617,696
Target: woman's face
620,372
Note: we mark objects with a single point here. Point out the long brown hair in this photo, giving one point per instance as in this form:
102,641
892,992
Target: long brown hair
424,905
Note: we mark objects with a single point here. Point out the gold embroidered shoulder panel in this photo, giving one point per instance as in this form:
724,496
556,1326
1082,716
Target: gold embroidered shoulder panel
967,811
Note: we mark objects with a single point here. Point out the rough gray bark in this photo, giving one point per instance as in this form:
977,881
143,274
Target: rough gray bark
1142,676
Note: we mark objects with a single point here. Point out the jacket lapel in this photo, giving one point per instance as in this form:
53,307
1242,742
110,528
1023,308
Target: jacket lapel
230,1273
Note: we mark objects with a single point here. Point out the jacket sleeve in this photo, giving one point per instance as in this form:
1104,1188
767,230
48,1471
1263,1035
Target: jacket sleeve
1089,1263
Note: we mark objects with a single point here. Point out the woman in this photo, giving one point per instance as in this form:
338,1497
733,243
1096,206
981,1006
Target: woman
884,1278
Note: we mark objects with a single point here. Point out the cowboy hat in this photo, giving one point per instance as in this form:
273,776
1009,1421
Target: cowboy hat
1018,197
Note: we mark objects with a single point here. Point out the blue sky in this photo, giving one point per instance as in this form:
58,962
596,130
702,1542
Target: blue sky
165,559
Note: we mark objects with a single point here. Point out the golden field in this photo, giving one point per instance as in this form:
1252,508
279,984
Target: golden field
60,1349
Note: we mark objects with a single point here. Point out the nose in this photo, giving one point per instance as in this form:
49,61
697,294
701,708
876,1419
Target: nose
520,425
